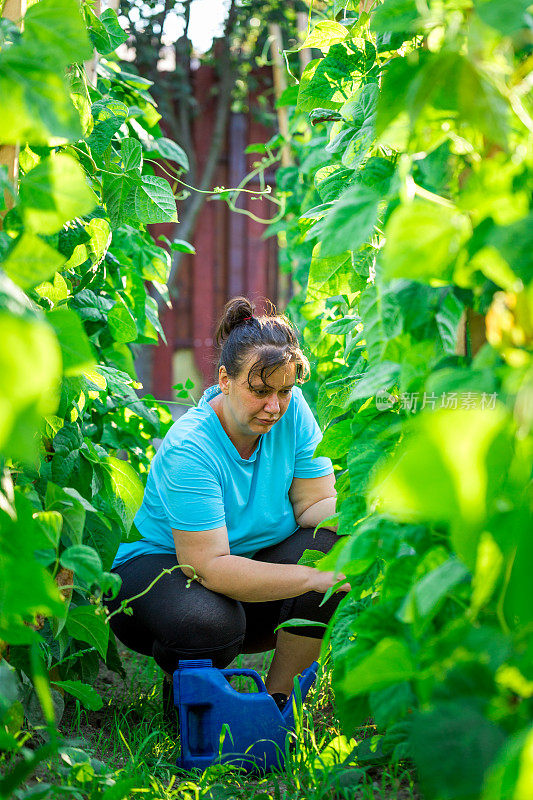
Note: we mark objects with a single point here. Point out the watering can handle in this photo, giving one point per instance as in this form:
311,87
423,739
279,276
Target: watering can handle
250,673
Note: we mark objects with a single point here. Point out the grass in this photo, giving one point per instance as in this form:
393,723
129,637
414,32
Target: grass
124,751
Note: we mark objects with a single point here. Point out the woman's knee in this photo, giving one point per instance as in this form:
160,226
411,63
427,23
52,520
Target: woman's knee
323,539
215,630
208,621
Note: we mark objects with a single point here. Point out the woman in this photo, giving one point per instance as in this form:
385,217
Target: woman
235,494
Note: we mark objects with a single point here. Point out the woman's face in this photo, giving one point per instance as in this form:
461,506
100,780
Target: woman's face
254,410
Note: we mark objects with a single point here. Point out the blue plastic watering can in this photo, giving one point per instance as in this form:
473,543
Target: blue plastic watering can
249,724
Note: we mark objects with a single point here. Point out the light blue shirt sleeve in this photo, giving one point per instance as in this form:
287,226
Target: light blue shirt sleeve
190,490
308,435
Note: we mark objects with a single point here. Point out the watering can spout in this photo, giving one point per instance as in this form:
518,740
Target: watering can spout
299,693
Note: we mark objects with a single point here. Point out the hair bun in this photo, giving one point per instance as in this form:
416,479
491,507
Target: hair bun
236,311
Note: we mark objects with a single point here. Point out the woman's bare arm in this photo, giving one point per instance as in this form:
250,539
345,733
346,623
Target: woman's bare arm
313,500
242,578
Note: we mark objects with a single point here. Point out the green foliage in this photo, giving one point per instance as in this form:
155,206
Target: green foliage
75,439
408,234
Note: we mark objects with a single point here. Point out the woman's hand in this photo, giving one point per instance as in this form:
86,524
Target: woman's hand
326,580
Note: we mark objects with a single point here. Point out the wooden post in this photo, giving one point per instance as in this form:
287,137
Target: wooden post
92,65
280,84
13,10
304,55
471,333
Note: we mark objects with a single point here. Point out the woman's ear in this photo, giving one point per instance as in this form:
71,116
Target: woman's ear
223,379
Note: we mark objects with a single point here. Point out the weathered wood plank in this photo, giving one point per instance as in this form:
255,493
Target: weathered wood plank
13,10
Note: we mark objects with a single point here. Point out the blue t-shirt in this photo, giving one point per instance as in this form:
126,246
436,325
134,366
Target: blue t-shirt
198,481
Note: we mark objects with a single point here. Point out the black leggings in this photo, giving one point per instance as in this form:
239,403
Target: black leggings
172,621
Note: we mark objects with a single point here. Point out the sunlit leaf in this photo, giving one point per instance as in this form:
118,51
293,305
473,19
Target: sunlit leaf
54,192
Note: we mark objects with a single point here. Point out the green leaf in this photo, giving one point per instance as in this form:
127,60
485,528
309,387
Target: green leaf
100,239
30,369
423,240
26,587
505,17
71,507
90,306
324,34
94,247
88,696
169,150
300,623
398,76
445,81
105,31
447,318
331,181
31,261
85,625
450,81
103,536
54,192
360,114
324,269
68,438
335,442
51,523
118,197
389,662
515,242
518,607
131,152
36,104
76,349
453,746
154,201
427,593
288,97
342,326
349,223
84,561
426,479
124,490
58,28
109,114
54,291
8,687
121,323
327,82
310,557
396,16
510,774
489,563
391,704
181,246
378,377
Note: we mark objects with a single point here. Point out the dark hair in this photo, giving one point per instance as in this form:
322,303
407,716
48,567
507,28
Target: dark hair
271,335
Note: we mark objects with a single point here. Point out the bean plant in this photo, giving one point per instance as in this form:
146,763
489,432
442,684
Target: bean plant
81,280
409,234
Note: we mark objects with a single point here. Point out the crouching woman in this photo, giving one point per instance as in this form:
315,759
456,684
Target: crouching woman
235,493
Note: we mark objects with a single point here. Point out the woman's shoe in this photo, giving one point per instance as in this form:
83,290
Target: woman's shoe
280,700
